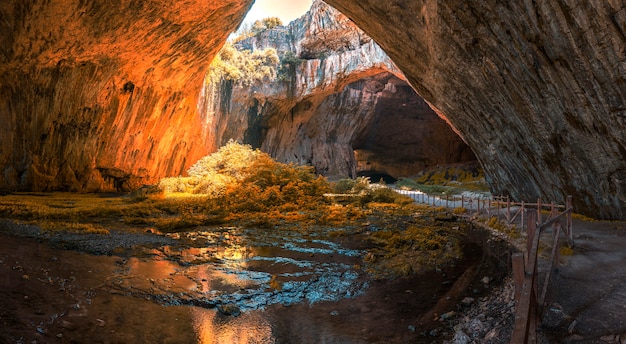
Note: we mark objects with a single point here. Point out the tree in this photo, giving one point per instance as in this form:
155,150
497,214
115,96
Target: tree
244,67
272,22
252,29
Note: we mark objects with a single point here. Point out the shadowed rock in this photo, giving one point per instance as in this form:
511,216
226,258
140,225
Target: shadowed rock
341,106
537,89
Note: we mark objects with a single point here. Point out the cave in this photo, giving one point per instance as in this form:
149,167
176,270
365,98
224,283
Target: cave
535,89
377,123
405,136
106,95
341,106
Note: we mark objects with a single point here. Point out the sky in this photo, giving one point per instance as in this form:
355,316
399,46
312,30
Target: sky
286,10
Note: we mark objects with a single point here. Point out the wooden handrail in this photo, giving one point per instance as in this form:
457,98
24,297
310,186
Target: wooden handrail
528,304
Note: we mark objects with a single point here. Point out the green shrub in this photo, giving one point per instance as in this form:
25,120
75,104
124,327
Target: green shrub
243,67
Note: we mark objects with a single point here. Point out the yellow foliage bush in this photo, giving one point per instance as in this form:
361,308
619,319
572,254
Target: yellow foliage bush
459,211
566,251
241,180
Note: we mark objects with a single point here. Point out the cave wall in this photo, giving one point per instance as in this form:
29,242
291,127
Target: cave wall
102,95
536,88
109,88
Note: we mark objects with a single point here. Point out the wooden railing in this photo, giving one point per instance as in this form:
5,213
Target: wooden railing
528,303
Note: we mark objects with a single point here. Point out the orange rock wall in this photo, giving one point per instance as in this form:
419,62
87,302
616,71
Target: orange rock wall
103,94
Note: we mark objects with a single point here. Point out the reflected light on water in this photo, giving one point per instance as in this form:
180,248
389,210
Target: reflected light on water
249,327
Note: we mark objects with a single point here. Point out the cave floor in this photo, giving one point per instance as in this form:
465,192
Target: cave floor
55,294
307,290
586,298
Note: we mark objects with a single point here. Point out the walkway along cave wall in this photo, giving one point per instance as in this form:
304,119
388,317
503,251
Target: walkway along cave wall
536,88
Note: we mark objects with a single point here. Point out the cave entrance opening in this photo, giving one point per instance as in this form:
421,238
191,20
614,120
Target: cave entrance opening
404,136
337,102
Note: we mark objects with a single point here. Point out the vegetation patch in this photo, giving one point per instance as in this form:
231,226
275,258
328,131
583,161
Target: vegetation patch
414,244
244,188
446,180
244,67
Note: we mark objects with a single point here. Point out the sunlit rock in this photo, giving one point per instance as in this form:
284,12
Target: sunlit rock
339,104
102,95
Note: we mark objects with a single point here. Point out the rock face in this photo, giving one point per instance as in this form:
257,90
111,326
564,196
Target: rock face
100,95
344,108
108,88
536,88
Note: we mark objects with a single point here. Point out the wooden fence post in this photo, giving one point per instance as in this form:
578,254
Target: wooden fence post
568,224
517,260
539,210
531,228
498,209
508,209
526,316
522,220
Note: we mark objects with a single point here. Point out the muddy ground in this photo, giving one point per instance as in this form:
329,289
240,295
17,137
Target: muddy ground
140,288
586,299
151,288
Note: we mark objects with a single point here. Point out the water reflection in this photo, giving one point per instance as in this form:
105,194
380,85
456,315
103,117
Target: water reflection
244,270
251,327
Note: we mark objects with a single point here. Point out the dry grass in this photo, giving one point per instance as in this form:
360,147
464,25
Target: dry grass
566,251
406,237
459,211
583,217
410,237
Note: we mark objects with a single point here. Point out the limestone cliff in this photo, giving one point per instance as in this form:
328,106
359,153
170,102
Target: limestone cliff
344,107
108,88
536,88
102,94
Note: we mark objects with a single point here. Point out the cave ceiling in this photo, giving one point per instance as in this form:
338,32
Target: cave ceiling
537,89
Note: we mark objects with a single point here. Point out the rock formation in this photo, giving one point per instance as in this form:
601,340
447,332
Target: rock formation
101,94
536,88
344,107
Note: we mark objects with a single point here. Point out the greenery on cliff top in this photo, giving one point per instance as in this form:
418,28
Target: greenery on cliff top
252,29
244,67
